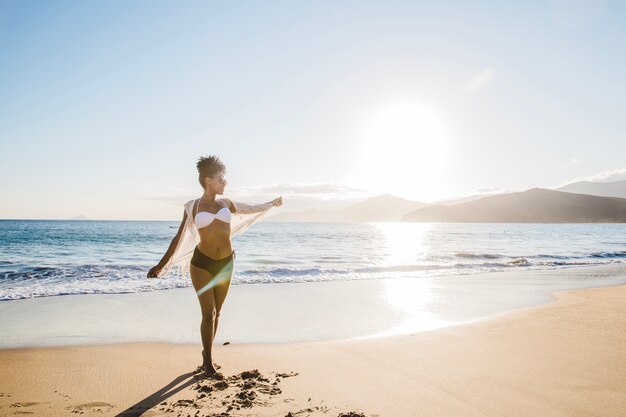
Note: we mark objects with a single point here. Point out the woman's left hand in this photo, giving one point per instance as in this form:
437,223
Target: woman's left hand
154,271
278,201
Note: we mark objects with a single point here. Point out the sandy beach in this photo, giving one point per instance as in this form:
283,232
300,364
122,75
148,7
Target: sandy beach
312,209
565,358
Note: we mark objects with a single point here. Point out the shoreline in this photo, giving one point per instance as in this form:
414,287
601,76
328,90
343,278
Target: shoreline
560,298
563,358
299,312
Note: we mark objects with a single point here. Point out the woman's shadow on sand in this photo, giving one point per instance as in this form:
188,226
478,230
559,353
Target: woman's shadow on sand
178,384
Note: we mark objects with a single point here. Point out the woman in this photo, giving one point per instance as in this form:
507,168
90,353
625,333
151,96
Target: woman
206,227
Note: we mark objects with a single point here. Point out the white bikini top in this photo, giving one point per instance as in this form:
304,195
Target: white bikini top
204,218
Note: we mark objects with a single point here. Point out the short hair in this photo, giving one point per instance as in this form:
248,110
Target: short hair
208,166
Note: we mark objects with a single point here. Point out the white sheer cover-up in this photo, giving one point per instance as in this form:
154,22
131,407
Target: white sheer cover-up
245,215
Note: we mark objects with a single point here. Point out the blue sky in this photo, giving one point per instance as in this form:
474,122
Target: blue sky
105,106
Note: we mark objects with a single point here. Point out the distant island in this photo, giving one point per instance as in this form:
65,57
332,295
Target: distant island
537,205
80,217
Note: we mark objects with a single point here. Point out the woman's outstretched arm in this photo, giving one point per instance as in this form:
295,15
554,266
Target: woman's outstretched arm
243,208
156,270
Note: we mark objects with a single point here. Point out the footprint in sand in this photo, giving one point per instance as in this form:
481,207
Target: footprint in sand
24,404
93,407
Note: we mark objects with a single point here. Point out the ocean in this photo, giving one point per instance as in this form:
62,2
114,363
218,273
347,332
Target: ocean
43,258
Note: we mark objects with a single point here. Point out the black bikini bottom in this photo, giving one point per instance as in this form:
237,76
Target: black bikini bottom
212,266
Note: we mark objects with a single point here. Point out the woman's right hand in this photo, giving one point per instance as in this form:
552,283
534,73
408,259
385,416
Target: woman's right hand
155,271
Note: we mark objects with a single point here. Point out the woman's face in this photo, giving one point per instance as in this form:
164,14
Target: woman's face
218,183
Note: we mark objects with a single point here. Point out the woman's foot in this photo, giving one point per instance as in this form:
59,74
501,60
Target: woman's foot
209,370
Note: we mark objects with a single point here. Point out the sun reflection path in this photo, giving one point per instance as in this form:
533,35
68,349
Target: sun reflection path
413,297
404,243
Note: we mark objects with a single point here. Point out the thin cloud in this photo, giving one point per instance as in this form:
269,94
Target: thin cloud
302,196
572,161
603,176
488,190
293,191
299,188
167,198
480,80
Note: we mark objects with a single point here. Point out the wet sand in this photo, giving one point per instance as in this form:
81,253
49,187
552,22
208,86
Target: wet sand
288,313
561,359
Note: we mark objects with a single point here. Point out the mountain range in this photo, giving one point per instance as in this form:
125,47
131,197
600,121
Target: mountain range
584,202
602,189
383,208
537,205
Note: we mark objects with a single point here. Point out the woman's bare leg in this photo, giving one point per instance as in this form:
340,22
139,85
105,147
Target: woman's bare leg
220,293
199,278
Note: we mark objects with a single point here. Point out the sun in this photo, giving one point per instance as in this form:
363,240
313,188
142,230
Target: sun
405,152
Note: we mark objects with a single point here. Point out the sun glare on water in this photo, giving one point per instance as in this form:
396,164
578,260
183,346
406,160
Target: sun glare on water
411,298
405,151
